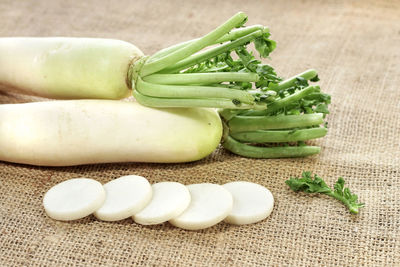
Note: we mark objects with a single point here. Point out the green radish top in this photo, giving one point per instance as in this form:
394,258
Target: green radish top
184,76
264,115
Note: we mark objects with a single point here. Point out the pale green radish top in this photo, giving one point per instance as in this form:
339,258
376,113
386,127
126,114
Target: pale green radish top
67,67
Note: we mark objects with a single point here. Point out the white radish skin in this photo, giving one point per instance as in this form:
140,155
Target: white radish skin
125,197
64,67
74,132
210,204
251,202
169,200
73,199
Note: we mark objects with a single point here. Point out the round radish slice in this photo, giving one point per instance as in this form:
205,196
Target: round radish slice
74,199
251,202
209,205
126,196
169,200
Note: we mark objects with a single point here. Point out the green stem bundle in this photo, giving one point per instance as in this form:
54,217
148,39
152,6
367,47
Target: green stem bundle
282,129
250,151
184,76
264,115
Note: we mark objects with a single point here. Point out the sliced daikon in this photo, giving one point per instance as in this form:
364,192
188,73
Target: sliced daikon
251,202
126,196
210,204
169,200
74,199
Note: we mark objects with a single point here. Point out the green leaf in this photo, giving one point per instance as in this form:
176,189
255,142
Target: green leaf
307,184
301,82
322,108
317,185
344,194
264,46
315,79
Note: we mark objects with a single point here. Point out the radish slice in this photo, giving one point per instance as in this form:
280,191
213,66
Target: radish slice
169,200
210,204
251,202
126,196
73,199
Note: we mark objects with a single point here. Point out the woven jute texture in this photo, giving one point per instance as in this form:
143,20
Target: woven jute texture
355,46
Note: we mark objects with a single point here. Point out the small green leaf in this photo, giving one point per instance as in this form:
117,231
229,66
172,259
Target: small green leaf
301,82
264,46
322,108
315,79
317,185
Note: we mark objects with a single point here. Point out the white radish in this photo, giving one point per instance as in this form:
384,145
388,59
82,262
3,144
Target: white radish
169,200
74,199
210,204
64,68
251,202
98,68
125,197
73,132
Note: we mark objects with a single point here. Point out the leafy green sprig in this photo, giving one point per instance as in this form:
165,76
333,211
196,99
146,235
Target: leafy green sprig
316,184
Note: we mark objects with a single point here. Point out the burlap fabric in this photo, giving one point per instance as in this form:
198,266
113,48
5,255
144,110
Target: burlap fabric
355,46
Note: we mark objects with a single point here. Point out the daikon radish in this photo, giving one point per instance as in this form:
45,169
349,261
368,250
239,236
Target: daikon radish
74,132
169,200
210,204
74,199
125,197
177,76
251,202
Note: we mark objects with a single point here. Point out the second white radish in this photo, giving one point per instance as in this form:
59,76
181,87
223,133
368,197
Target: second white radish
75,132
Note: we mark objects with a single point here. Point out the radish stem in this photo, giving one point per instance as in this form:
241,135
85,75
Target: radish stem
268,152
272,136
202,56
283,102
182,91
194,47
308,75
254,123
234,34
199,102
200,78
